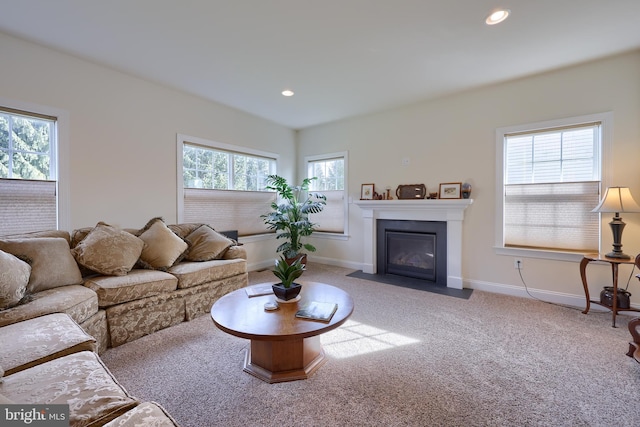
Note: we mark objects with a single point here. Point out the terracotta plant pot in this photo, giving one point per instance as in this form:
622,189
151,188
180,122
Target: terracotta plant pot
292,260
286,294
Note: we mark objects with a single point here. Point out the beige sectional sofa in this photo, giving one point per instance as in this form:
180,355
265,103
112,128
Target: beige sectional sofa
118,285
66,297
50,360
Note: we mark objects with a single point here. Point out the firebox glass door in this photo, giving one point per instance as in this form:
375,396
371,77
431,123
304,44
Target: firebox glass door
411,254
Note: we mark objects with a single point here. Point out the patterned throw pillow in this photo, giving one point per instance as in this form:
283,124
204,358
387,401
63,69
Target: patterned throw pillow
163,247
14,278
52,264
207,244
108,250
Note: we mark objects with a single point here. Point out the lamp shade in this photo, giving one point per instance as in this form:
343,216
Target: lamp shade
617,199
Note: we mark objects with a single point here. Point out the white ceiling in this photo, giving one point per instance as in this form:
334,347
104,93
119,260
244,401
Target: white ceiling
341,57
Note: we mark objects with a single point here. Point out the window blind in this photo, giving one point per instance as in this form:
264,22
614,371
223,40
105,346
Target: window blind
27,206
228,209
552,216
551,184
331,219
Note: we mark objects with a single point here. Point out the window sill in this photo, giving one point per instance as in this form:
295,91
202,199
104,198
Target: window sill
330,236
270,236
256,238
540,254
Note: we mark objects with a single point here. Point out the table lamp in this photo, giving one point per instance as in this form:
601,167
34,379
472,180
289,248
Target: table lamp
616,200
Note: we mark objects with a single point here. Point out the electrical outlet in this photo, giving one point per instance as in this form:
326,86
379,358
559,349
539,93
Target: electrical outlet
517,264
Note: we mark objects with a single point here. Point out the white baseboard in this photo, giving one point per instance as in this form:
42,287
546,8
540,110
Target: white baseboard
260,265
335,262
573,300
320,260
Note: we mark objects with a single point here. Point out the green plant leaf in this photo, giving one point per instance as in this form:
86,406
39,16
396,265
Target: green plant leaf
290,217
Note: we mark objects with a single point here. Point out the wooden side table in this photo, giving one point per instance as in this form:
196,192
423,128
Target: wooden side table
615,262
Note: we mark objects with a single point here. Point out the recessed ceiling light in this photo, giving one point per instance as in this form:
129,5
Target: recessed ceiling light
287,92
497,16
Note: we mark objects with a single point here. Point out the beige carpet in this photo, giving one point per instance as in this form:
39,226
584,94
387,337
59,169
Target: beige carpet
405,358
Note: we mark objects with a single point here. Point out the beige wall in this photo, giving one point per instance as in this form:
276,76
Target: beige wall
122,134
122,150
453,140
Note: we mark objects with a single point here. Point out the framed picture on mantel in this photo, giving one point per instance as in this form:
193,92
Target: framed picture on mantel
366,192
451,190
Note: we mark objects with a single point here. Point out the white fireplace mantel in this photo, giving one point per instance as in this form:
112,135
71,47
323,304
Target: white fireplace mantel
451,211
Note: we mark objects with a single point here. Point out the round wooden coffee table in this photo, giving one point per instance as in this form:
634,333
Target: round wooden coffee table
283,347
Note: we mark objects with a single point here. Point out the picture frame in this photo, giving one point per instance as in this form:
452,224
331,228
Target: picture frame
451,190
367,191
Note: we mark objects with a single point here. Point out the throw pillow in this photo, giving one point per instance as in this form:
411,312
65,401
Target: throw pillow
207,244
163,247
52,264
14,278
108,250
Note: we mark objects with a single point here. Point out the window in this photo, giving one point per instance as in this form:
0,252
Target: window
331,173
205,167
28,178
549,183
223,185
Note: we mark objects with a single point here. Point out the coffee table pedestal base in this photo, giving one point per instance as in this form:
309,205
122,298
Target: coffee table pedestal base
279,361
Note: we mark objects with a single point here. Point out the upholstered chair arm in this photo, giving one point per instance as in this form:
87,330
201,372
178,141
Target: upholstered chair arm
634,346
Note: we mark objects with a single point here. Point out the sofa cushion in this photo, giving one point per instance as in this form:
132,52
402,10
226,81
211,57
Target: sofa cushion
4,400
108,250
112,290
134,319
235,252
196,273
184,229
14,278
146,414
79,234
52,264
80,380
206,244
35,341
77,301
163,247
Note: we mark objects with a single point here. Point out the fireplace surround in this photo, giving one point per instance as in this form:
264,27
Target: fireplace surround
449,211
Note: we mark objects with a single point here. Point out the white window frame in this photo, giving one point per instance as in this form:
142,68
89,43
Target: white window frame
606,120
341,154
181,140
59,157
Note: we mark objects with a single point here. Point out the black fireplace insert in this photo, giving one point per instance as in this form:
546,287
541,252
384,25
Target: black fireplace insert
415,249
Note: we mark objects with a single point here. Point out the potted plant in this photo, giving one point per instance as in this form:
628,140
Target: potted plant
287,272
290,215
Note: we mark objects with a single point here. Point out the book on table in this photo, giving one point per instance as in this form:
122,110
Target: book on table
258,290
316,310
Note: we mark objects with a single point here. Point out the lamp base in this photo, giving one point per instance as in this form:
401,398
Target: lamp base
619,255
617,225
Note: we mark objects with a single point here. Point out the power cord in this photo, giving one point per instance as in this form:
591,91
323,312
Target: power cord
518,262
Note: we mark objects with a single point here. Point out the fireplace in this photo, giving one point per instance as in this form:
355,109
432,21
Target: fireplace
415,249
449,211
